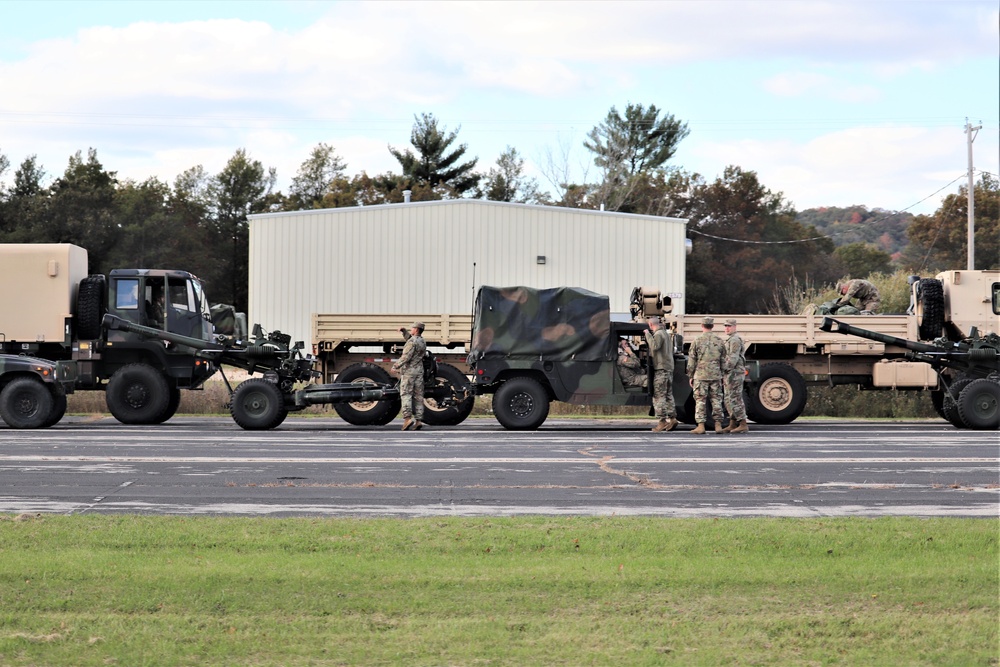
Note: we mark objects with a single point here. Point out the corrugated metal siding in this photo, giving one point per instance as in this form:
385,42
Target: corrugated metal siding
412,258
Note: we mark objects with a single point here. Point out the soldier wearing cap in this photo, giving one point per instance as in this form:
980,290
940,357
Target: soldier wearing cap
661,356
705,371
734,364
410,368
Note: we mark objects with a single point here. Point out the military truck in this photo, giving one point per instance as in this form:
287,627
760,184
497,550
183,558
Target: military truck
33,391
52,309
534,346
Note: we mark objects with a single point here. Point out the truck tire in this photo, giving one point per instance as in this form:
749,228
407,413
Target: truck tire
257,405
449,413
779,395
172,405
58,407
930,308
949,406
521,404
26,403
979,405
138,394
367,413
90,307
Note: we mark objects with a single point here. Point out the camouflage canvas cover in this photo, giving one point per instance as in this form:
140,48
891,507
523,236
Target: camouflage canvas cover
557,324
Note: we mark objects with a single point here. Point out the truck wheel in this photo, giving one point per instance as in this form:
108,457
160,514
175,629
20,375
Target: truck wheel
930,308
257,405
172,405
979,405
138,394
367,413
521,404
449,411
779,396
26,403
58,407
949,406
90,307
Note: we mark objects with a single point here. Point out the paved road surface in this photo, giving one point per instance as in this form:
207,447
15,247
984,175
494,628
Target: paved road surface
324,467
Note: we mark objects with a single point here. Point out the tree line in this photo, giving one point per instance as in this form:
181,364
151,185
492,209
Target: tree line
748,241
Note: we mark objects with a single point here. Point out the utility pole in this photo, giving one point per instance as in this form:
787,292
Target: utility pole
970,137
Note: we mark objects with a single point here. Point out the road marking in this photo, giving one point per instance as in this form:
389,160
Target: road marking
488,460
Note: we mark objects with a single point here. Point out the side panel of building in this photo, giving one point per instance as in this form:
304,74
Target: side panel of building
40,282
430,257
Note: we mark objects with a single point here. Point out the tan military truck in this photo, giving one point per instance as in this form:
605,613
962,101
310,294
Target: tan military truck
52,308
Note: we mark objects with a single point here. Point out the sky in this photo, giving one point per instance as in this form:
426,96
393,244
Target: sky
834,103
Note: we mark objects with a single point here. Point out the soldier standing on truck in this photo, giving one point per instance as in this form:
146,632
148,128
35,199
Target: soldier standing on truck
661,356
705,370
410,367
866,293
734,364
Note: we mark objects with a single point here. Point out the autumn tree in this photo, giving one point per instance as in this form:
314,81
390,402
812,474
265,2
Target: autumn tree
939,242
432,163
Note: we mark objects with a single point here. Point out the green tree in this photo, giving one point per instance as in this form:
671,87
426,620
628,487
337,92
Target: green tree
626,147
315,178
23,206
862,259
507,182
433,164
745,242
241,188
939,242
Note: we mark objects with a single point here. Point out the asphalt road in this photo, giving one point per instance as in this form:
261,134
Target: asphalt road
325,467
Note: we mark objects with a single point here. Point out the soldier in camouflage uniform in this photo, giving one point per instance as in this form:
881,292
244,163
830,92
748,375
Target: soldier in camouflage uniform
734,364
661,356
410,368
705,371
630,368
866,293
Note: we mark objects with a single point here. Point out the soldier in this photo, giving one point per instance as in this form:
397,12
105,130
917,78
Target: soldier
629,367
705,370
661,356
410,368
865,292
734,364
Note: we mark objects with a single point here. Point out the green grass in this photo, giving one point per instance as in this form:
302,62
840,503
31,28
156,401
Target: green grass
133,590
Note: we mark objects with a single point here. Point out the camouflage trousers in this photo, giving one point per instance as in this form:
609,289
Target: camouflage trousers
707,390
663,395
733,390
633,378
411,393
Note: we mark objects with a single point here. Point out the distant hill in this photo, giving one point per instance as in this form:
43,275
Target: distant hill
856,224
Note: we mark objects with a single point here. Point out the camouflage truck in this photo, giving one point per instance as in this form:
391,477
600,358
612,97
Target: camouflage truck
534,346
51,317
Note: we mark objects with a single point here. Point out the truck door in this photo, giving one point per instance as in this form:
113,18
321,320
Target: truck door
182,309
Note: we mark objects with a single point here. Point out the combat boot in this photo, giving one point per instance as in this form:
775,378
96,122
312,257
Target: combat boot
671,424
741,427
730,426
417,425
699,430
660,426
718,427
407,423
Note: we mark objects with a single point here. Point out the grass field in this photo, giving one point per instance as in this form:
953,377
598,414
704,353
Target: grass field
134,590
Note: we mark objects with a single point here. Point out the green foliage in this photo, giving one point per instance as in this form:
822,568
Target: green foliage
317,177
432,164
507,182
862,259
939,242
135,590
856,224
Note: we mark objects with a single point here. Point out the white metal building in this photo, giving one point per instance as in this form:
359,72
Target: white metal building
430,257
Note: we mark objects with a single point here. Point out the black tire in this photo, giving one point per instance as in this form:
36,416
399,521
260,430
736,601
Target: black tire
949,407
779,395
90,307
937,400
930,308
449,412
138,394
172,405
257,405
59,405
521,404
26,403
367,413
979,405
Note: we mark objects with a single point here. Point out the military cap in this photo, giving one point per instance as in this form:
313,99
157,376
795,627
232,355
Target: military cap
730,322
708,321
417,325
